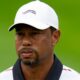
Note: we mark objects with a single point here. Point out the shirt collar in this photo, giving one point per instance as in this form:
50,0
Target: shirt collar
56,70
54,73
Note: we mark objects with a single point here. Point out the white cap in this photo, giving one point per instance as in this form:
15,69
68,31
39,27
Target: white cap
37,14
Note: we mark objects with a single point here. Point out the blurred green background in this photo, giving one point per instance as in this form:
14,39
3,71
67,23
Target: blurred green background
68,48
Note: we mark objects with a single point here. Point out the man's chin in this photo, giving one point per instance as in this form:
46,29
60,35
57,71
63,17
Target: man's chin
30,62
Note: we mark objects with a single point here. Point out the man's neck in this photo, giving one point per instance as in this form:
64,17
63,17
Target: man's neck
37,73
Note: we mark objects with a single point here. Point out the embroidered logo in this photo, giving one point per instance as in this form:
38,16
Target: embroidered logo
29,11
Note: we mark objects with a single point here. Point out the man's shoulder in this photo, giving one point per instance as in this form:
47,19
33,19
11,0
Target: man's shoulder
6,74
69,74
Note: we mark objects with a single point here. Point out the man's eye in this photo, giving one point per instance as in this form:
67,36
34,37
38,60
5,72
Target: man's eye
35,33
19,33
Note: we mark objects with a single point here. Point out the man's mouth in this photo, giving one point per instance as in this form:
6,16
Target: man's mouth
27,54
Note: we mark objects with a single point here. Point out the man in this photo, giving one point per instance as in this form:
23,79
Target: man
37,32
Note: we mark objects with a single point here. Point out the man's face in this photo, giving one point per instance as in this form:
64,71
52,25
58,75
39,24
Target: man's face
32,45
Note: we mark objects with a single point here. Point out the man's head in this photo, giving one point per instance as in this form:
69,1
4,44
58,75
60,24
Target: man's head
35,46
37,33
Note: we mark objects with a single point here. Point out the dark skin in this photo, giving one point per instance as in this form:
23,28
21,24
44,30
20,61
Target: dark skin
35,48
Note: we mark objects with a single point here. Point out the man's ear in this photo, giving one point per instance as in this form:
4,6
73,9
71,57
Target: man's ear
55,37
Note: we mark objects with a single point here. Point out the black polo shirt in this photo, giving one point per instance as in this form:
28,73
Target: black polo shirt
53,74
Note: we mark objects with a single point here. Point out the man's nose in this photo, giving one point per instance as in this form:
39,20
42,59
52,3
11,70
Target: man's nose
27,41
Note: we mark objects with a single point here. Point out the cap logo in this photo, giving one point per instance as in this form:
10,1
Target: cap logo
30,11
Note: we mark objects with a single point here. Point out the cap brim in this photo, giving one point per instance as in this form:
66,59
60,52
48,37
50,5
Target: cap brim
35,24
